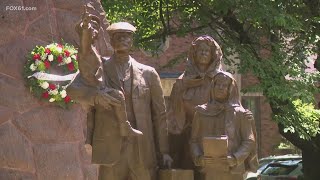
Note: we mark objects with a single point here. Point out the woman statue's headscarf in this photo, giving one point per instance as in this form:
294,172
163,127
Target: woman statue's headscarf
192,70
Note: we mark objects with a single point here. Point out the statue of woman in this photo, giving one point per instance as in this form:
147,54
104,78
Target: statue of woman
191,89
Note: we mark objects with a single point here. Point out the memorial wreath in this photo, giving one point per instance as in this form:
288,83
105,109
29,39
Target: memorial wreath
43,71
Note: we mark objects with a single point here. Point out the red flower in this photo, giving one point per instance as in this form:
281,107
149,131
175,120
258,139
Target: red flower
36,56
67,99
76,57
47,51
67,53
52,86
47,64
45,94
59,59
70,66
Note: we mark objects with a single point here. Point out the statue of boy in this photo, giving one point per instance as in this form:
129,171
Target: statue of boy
224,115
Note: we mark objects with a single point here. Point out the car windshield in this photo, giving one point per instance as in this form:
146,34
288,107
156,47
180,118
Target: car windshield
265,161
281,168
287,159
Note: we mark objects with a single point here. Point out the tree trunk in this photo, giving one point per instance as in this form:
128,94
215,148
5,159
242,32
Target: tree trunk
310,153
310,164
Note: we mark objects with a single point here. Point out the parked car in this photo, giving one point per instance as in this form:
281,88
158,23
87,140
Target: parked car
282,170
263,162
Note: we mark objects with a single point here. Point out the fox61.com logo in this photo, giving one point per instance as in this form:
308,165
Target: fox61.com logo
20,8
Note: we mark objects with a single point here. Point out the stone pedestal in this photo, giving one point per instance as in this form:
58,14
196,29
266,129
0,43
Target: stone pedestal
176,174
39,140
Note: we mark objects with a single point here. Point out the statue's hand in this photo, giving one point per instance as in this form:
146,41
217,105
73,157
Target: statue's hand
88,27
198,161
104,99
85,18
203,161
117,94
167,160
207,160
248,114
232,161
88,149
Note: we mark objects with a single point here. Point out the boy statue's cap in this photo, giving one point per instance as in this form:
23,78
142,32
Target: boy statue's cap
121,27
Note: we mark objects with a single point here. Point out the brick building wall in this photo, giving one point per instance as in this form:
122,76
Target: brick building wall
172,60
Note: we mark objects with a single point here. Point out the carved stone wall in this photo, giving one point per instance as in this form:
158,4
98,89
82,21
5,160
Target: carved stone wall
39,141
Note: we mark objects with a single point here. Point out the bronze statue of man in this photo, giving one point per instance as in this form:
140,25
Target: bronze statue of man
92,73
223,116
136,87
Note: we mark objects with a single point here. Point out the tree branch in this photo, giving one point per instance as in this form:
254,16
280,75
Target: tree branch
296,140
168,16
172,32
162,18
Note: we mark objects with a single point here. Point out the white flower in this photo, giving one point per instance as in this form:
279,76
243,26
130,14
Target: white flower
73,57
54,47
51,100
53,92
37,62
43,57
59,49
50,57
50,46
63,93
67,60
44,85
33,67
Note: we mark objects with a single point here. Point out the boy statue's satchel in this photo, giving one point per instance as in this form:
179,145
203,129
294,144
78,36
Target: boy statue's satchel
217,148
175,174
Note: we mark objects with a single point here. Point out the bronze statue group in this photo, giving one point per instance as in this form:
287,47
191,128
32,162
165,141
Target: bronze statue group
132,132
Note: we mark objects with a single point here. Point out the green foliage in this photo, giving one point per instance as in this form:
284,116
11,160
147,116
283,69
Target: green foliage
273,39
286,145
142,13
301,117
